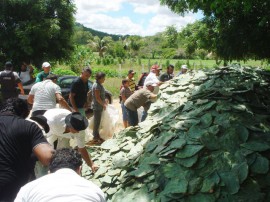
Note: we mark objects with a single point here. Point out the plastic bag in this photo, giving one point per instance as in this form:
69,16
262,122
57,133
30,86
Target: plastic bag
109,118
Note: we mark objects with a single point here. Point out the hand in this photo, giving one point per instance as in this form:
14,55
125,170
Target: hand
94,167
22,92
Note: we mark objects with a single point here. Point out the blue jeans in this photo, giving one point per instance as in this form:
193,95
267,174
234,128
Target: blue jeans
97,120
132,117
124,112
144,115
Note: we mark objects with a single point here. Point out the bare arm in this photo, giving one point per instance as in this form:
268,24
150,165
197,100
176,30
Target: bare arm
87,159
62,101
44,153
153,96
21,88
72,101
30,99
98,98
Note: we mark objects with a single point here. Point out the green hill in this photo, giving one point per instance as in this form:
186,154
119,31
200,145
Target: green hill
99,33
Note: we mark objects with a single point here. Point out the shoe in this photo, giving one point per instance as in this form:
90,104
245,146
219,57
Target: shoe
95,142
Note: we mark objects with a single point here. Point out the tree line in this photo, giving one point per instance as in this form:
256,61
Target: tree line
46,30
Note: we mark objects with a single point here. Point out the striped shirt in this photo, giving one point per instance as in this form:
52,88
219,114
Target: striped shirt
131,84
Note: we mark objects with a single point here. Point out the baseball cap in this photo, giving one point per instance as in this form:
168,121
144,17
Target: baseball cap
156,67
184,67
150,83
46,64
8,64
131,71
41,120
77,121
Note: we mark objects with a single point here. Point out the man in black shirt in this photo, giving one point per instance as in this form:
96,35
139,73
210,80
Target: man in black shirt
79,90
19,138
166,76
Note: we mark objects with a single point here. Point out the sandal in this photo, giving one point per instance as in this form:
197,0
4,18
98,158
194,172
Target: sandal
95,142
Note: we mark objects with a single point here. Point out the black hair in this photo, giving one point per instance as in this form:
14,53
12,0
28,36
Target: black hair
15,106
87,69
51,77
124,81
100,75
170,66
65,158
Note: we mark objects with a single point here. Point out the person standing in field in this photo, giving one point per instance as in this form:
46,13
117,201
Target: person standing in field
131,80
9,80
78,91
46,71
125,92
99,104
184,69
43,95
168,75
26,73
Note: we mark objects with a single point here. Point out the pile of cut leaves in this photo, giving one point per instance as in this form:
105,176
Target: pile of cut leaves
207,138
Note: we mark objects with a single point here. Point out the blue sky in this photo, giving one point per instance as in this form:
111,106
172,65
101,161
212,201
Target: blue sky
140,17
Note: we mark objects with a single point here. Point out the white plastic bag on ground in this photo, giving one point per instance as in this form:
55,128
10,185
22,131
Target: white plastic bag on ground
109,118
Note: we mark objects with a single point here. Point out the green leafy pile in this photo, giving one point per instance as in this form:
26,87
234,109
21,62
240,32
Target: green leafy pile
207,138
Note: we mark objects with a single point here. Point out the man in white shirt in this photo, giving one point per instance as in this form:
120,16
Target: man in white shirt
153,76
64,182
43,96
64,126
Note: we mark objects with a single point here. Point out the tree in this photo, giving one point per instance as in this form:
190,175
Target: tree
81,37
36,30
242,26
100,44
170,36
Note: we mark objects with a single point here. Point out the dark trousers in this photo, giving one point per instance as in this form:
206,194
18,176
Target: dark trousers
97,119
132,117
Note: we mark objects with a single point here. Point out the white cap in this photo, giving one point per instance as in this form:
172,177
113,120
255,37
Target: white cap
46,64
184,67
150,83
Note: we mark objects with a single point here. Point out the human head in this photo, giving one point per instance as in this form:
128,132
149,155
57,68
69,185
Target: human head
125,82
150,85
8,66
76,121
86,74
46,67
100,77
156,69
15,106
66,158
184,69
131,73
170,69
52,77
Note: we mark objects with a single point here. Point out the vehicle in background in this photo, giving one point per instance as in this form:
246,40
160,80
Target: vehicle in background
65,83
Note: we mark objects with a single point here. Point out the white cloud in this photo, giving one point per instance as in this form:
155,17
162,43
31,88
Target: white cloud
148,16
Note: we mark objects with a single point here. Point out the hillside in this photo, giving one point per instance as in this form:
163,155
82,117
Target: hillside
99,33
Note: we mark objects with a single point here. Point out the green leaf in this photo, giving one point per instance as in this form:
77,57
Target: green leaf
256,146
188,162
261,165
210,182
188,151
231,181
176,185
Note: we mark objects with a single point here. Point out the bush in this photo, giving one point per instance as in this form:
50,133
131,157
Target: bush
59,71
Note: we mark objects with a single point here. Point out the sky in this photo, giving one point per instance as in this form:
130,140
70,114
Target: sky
133,17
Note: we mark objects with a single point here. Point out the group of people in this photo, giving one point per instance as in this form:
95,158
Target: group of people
23,142
132,97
